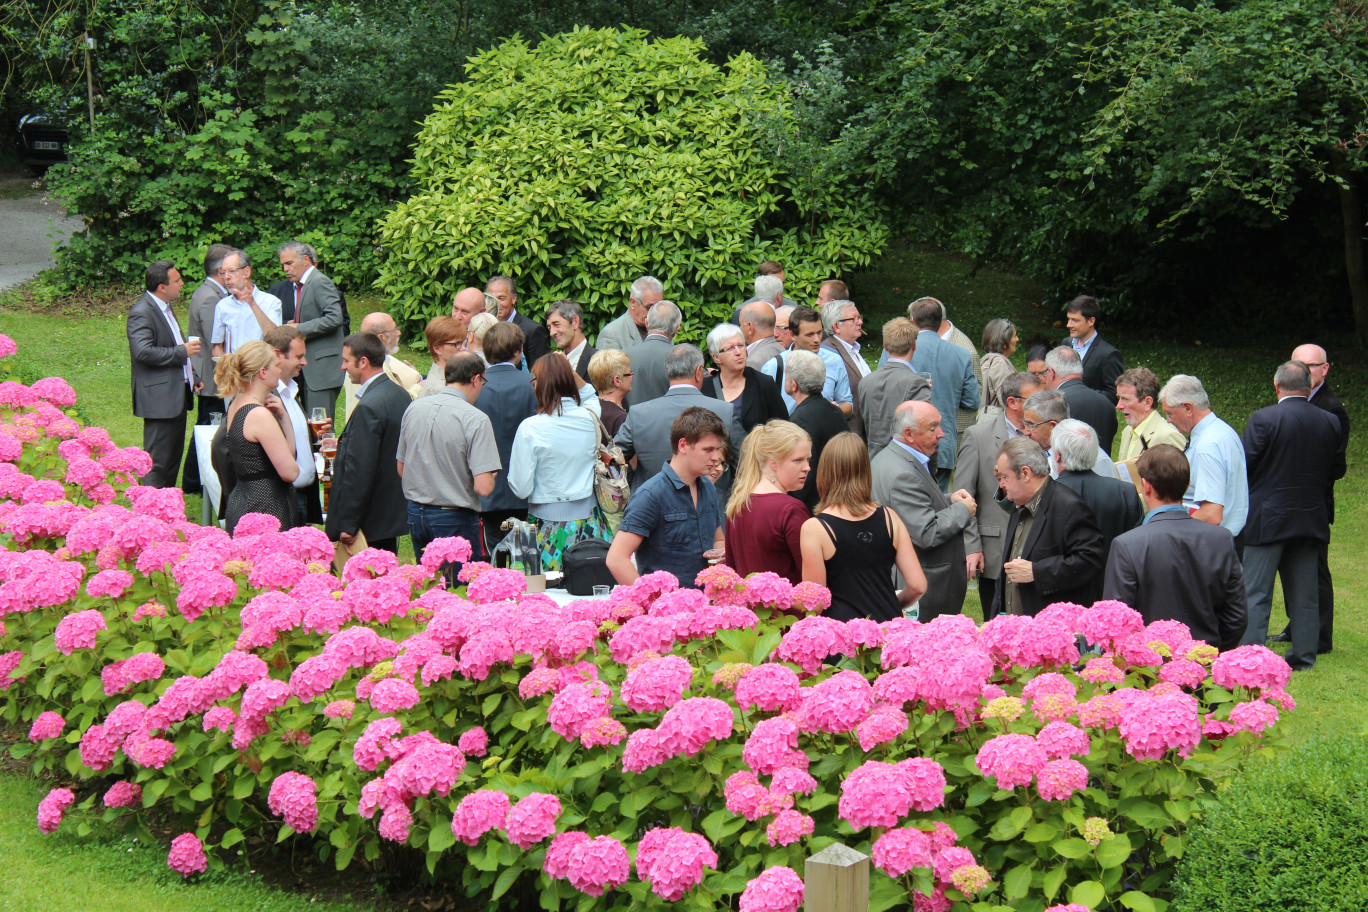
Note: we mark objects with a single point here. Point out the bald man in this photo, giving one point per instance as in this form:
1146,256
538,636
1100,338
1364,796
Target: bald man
467,303
401,372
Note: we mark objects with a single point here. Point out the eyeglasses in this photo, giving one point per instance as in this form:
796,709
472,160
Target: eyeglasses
1031,426
626,374
1311,364
1040,374
855,319
740,346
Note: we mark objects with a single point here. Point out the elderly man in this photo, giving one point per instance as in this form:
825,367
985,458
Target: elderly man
757,326
1053,548
769,287
291,355
162,376
806,325
468,303
404,375
648,358
936,524
1219,490
974,472
1085,404
1045,409
565,322
1174,567
1290,451
321,317
1137,396
1115,504
1101,362
536,340
783,332
630,328
953,385
246,313
844,326
507,398
803,381
894,383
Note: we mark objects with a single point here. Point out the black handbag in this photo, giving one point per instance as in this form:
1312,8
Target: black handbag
585,565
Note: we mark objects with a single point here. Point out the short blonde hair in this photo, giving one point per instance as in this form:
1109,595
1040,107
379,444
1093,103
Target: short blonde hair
235,371
479,325
606,366
899,336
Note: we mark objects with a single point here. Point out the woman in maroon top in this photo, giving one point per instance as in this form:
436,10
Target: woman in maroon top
764,523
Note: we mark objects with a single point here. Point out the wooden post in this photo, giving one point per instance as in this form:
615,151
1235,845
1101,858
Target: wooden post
90,79
836,879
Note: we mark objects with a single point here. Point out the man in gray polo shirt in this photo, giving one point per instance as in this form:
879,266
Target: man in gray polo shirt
448,459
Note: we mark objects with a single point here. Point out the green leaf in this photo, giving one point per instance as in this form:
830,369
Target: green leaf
1114,852
1088,893
489,704
507,877
1053,879
440,838
1040,832
1073,848
1137,901
1017,883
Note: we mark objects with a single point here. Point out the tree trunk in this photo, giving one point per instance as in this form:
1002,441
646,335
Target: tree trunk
1355,267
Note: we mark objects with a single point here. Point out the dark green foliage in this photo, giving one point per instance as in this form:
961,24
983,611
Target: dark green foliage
1292,834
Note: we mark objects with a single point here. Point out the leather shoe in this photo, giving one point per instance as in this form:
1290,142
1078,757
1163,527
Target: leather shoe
1283,637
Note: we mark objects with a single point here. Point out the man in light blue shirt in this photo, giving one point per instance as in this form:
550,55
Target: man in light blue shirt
806,326
1219,490
247,313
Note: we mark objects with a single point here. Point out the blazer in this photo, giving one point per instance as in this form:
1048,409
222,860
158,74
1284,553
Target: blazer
321,321
621,334
1178,568
507,398
646,434
199,321
1093,409
760,402
1325,399
974,472
1114,503
1101,368
764,350
880,395
953,387
582,366
1064,547
935,525
158,363
284,290
403,374
968,417
536,338
1290,454
648,369
853,372
367,493
822,420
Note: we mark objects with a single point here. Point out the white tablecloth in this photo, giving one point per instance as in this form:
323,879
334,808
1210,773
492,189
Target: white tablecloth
213,489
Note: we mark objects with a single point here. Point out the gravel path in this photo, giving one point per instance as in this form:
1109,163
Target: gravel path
25,246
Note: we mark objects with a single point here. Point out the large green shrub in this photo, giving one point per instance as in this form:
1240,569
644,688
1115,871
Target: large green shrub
598,156
1291,834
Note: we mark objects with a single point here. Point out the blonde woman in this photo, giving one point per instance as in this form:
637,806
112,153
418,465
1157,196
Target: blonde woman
446,336
851,544
262,460
765,523
610,371
479,325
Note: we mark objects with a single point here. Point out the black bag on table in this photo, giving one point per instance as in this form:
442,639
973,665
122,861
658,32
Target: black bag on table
585,565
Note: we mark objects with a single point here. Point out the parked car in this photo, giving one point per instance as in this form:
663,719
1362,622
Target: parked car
42,141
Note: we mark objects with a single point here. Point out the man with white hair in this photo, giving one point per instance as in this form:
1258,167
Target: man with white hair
783,331
648,356
757,326
630,328
843,325
405,375
1115,504
1085,404
803,383
1219,490
769,287
1045,409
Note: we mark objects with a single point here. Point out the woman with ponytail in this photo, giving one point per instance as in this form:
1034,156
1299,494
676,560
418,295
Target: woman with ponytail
764,523
261,457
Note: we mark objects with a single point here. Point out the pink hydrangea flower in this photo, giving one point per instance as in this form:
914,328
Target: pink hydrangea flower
647,633
689,725
1253,716
898,851
220,717
1102,712
496,586
317,675
53,808
1153,725
449,550
1029,641
773,745
532,820
1102,670
1062,739
263,697
1255,667
340,709
1058,779
123,794
1012,760
123,674
883,724
770,687
576,706
48,725
808,643
377,743
1069,907
97,750
1110,623
395,823
879,794
837,704
293,797
474,742
776,889
112,583
7,346
478,813
187,855
722,585
788,827
672,861
1183,672
394,694
768,590
810,598
603,732
483,651
657,684
78,630
597,865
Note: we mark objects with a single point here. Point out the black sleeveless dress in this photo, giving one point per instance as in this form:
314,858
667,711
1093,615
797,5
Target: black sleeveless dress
860,573
259,488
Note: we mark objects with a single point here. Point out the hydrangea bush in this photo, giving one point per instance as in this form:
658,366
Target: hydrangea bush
660,745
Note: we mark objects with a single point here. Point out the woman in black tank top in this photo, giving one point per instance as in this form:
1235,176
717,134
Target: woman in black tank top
852,544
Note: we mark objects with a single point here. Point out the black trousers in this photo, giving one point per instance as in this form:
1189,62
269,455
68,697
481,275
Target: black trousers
164,441
987,589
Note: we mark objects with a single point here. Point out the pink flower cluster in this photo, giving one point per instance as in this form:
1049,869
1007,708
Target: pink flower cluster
880,794
593,865
78,631
657,684
684,731
187,855
53,808
776,889
293,797
673,861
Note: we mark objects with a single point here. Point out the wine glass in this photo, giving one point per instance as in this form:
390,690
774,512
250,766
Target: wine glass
318,416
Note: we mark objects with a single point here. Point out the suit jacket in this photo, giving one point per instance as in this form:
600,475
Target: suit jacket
621,334
965,418
582,366
1178,568
648,369
1114,503
404,375
646,434
1325,399
935,525
199,321
158,363
953,387
1290,454
1101,368
1064,547
321,321
1093,409
880,395
853,372
974,473
765,349
822,420
367,493
507,398
284,290
536,338
761,401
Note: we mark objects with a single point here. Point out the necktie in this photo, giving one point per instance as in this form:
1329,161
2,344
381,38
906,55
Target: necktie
297,287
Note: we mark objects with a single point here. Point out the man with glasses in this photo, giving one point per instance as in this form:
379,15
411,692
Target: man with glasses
1040,414
844,326
806,325
783,330
247,312
630,328
405,375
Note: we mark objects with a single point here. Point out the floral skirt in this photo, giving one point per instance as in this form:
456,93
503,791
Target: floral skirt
554,537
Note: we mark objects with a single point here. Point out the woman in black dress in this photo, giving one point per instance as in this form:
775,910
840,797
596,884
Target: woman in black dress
261,457
755,397
851,543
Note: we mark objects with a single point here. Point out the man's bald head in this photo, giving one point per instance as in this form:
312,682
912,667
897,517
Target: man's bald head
467,303
382,324
757,321
1314,357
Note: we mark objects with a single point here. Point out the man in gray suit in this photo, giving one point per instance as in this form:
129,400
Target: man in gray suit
953,386
757,325
936,524
891,385
199,322
648,358
974,471
318,314
646,432
630,328
163,380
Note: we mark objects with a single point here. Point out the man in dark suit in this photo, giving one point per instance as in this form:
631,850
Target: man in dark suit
367,492
1053,548
894,383
536,340
935,523
565,323
844,326
1114,503
507,398
320,316
648,358
1290,453
974,472
1087,405
1174,567
646,432
1102,363
198,325
821,418
163,380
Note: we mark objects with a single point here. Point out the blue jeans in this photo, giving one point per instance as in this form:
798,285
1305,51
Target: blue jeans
427,522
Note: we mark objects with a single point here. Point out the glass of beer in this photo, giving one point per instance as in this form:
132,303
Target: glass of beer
317,418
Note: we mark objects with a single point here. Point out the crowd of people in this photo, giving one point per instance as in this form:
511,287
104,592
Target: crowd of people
899,487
